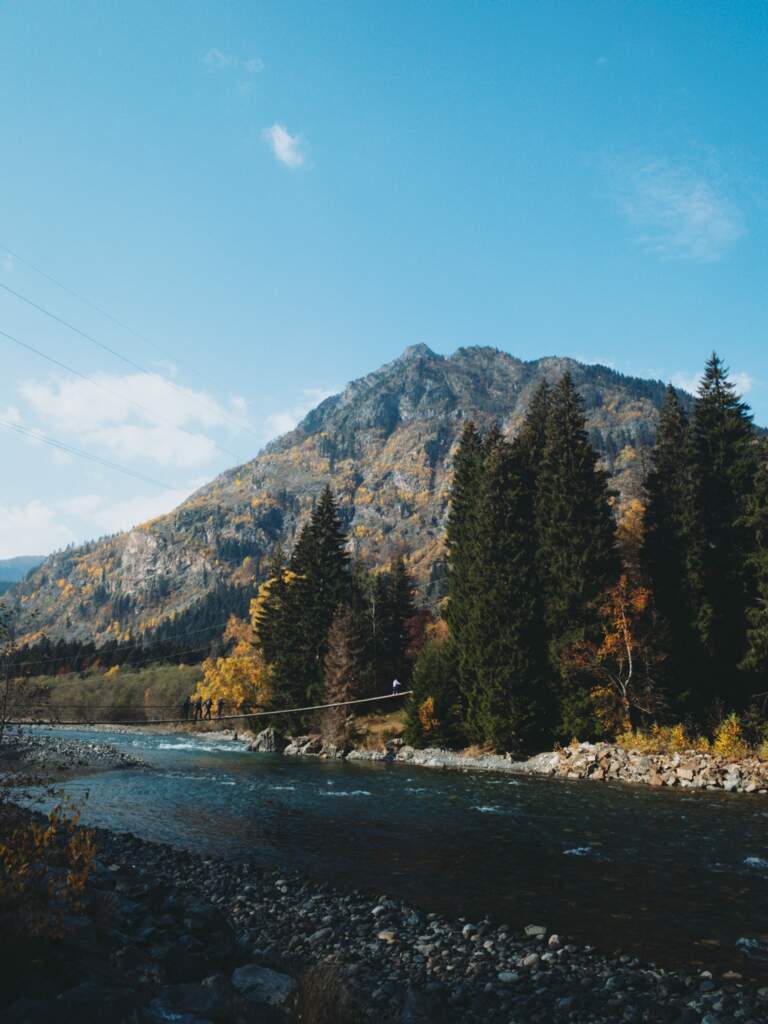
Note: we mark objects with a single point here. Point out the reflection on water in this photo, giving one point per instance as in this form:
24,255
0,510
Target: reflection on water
675,876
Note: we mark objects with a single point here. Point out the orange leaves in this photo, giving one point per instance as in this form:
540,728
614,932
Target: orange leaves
427,717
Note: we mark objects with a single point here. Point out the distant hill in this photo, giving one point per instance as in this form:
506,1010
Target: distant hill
14,569
385,444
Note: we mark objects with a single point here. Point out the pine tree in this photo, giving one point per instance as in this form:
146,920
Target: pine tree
460,540
577,557
671,552
726,465
345,676
504,705
293,626
756,660
432,711
398,610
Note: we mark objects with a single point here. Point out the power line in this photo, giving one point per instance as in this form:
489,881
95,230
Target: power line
36,435
119,323
114,394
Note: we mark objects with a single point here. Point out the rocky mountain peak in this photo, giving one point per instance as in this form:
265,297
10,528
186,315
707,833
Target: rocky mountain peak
385,444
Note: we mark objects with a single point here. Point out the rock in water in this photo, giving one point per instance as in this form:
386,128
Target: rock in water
269,741
263,985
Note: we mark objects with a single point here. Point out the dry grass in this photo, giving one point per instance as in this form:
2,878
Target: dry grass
324,997
375,729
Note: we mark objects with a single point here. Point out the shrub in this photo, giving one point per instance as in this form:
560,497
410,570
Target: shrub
729,739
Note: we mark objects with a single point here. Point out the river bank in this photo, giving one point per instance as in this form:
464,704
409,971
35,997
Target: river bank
168,935
597,762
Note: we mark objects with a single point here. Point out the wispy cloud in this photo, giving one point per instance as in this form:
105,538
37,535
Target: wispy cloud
133,416
32,528
676,211
690,381
217,60
285,147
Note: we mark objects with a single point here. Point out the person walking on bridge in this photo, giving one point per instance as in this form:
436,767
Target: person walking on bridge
208,705
395,687
220,707
198,709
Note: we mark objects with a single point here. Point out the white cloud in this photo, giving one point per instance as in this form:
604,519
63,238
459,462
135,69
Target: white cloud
9,263
285,147
31,529
281,422
98,514
135,416
676,212
220,61
691,381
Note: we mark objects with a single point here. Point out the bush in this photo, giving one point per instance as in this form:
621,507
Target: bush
729,739
431,710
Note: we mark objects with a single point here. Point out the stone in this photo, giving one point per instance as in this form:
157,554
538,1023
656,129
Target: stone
537,931
320,936
387,936
531,960
263,985
268,741
508,977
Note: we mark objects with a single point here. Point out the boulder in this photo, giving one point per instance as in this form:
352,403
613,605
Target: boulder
268,741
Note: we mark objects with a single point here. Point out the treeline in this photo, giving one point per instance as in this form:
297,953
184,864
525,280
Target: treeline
560,620
192,636
322,628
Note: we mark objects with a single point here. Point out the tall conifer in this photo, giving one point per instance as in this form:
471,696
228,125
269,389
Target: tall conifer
756,661
504,705
726,465
672,550
575,528
460,539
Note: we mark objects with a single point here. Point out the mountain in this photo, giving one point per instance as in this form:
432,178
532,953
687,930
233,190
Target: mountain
384,443
14,569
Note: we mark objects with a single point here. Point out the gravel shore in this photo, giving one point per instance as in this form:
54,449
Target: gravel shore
55,754
169,935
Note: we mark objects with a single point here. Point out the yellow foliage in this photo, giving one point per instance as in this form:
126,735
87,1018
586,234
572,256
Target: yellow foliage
112,672
662,739
729,739
242,678
427,717
43,870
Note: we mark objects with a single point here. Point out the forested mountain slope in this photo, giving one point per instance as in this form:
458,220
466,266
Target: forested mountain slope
385,444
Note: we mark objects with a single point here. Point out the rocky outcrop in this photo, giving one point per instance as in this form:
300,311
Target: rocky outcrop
385,444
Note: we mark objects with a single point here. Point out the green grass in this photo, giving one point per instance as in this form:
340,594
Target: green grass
130,694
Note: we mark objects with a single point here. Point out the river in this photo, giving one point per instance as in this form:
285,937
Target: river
675,876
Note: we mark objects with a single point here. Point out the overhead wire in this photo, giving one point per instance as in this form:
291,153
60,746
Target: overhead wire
114,394
123,326
37,435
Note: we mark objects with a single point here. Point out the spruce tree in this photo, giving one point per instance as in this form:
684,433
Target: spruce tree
460,540
726,465
504,705
671,552
294,623
577,558
756,661
399,609
432,716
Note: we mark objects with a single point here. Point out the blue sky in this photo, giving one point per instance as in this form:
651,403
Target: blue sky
279,197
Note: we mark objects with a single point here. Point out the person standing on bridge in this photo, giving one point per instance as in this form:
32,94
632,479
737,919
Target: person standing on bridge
395,687
198,709
220,707
208,705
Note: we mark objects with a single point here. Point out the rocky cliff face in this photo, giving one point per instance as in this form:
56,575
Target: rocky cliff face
385,444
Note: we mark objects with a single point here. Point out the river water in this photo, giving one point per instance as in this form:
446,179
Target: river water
675,876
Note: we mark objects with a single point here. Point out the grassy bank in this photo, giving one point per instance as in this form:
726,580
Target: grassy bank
152,692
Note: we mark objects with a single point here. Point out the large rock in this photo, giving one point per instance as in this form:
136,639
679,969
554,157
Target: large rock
268,741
